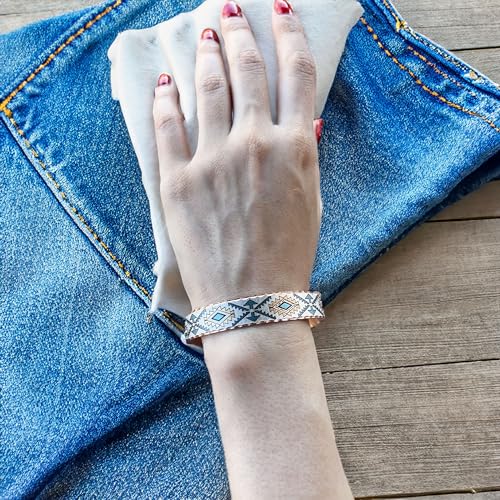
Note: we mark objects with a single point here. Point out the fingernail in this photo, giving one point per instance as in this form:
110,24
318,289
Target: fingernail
282,7
318,127
209,34
231,9
164,79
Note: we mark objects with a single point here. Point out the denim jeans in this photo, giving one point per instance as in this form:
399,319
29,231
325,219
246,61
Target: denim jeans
98,399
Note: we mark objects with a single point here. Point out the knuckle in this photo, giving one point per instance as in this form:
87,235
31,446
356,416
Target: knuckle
236,24
258,144
176,188
250,61
207,48
205,174
212,84
165,122
302,64
301,142
289,24
205,171
252,107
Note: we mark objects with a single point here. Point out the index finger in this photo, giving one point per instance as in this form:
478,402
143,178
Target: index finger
297,68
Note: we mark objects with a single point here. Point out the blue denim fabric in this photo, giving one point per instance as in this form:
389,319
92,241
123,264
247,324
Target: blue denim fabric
99,401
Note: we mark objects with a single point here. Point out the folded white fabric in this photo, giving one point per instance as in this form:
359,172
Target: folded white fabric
139,56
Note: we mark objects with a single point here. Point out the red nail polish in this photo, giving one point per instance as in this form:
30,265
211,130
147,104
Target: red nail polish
282,7
209,34
231,9
164,79
318,127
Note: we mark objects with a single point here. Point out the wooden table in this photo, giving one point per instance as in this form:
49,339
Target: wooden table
410,352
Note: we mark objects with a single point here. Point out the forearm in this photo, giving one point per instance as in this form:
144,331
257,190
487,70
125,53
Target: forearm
272,412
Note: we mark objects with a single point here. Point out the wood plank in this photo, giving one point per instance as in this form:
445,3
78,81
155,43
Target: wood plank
433,298
483,203
38,8
454,24
15,14
486,61
418,430
461,24
485,495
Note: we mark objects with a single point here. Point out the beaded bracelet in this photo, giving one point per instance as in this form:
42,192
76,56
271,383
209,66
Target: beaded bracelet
267,308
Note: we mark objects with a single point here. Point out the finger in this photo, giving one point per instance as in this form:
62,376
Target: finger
171,136
246,67
297,69
212,91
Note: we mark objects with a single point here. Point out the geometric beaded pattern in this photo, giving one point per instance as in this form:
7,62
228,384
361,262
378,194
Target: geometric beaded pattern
280,306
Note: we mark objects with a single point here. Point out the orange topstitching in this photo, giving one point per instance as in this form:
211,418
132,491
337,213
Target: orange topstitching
437,70
100,15
400,23
421,84
8,113
53,55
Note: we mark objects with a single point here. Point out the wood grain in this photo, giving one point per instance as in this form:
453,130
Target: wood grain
422,429
15,13
455,24
483,203
473,495
410,349
460,24
486,61
433,298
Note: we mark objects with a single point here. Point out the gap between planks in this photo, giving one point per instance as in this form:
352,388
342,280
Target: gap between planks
479,494
454,24
408,431
433,298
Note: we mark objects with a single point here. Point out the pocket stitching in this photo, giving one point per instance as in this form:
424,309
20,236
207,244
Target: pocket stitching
55,53
419,82
439,71
65,197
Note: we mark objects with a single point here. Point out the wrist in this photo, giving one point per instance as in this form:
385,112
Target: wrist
258,346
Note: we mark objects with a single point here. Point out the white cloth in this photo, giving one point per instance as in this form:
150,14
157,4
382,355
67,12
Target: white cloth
139,56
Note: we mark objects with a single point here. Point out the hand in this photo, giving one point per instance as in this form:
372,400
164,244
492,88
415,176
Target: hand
243,215
243,211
